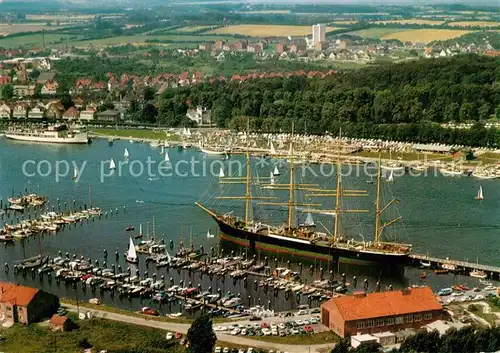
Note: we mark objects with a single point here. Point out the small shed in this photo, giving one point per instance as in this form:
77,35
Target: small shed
61,323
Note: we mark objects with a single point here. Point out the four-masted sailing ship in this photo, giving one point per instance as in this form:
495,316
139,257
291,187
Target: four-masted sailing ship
303,239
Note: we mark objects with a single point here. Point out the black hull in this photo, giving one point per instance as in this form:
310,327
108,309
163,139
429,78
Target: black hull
335,254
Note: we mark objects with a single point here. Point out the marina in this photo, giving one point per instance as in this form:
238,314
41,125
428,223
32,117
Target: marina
170,201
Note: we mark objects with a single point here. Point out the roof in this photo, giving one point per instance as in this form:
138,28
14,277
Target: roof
16,294
109,112
58,320
45,77
373,305
71,112
437,148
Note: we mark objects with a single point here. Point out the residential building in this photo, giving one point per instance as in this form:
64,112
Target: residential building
112,84
20,111
79,102
320,46
25,305
219,44
35,113
200,115
254,48
221,56
21,73
318,33
205,46
241,45
368,313
280,48
49,88
342,45
87,114
55,110
24,90
61,323
5,79
45,77
5,111
71,114
108,115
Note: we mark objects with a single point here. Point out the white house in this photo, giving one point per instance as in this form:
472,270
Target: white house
200,115
35,113
5,111
87,114
221,56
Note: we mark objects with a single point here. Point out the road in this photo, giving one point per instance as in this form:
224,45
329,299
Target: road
183,328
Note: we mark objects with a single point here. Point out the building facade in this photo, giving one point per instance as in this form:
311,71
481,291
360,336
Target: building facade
25,305
318,33
368,313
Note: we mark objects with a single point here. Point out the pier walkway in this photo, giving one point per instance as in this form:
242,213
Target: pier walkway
493,272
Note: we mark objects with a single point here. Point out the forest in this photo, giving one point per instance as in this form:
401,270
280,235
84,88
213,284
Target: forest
404,102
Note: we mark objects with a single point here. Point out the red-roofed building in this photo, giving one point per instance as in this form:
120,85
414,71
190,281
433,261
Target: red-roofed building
380,312
5,79
61,323
24,304
71,114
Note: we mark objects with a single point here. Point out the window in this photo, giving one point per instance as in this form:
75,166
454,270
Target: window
360,324
380,322
389,321
408,319
370,323
428,316
399,320
417,317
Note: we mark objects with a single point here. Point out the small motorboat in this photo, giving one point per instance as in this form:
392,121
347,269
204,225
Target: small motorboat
150,311
129,228
441,271
423,275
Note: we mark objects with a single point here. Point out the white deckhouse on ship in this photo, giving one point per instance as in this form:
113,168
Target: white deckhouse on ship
52,134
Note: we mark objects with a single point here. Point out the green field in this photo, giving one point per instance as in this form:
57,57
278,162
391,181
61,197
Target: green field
142,39
193,28
32,40
102,334
376,32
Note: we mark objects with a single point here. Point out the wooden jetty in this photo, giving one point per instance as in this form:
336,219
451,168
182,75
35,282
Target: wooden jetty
462,267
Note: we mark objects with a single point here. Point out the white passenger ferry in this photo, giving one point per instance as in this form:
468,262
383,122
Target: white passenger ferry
53,134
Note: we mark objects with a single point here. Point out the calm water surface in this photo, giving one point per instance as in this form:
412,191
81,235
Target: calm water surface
440,215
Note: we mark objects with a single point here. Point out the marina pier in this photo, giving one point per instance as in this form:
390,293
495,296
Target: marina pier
454,266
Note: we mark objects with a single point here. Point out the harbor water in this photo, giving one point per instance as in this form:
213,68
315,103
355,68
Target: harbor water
440,216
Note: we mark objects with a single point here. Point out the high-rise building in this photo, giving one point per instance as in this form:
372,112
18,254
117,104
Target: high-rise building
319,33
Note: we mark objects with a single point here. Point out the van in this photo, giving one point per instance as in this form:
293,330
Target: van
445,291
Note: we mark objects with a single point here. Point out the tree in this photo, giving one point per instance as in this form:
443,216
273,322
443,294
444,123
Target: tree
367,347
149,93
201,335
497,112
466,112
343,346
34,74
7,91
484,112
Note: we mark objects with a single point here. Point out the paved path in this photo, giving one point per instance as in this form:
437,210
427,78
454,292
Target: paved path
183,328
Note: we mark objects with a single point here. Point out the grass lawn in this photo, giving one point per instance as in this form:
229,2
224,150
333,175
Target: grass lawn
136,133
32,40
312,339
102,334
488,158
192,28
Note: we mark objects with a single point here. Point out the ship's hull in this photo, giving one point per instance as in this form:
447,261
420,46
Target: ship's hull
304,248
81,138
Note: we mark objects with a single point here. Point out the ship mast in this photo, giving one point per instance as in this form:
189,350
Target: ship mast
247,176
379,228
291,187
337,195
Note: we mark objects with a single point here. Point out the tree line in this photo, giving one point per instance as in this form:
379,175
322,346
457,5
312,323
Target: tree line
405,102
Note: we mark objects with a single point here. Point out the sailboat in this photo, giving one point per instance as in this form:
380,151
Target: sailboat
390,178
167,157
139,235
480,196
126,154
162,150
309,221
210,235
112,165
75,174
221,173
276,171
272,150
131,255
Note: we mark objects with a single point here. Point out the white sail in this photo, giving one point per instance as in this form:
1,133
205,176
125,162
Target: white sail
309,220
221,173
210,235
391,177
480,193
112,164
272,149
272,179
281,145
290,151
131,254
140,229
276,171
169,259
167,157
126,154
162,150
